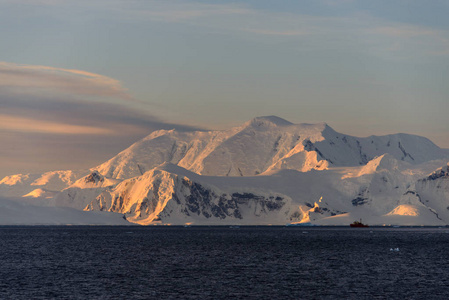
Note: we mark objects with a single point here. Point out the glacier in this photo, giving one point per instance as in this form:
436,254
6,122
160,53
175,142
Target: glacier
267,171
17,212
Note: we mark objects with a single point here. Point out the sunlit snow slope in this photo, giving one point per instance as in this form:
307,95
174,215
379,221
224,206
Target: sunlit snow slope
267,171
264,144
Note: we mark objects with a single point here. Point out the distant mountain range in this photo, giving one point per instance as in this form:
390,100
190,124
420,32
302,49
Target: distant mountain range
267,171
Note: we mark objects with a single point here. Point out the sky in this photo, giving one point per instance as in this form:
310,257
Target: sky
82,80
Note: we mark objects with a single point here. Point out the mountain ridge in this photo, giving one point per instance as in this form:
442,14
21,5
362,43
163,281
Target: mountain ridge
264,144
265,171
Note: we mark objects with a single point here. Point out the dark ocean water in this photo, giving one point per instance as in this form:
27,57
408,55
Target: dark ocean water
223,263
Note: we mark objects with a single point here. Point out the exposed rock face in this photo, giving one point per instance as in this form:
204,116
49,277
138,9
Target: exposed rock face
433,192
267,171
168,198
442,173
94,178
264,144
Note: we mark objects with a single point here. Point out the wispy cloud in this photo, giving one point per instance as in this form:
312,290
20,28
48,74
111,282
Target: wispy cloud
405,31
64,126
76,116
182,11
337,2
279,33
355,30
66,107
350,30
74,82
21,124
411,39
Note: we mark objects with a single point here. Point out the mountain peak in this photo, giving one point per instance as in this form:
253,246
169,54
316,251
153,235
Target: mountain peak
383,162
269,120
441,172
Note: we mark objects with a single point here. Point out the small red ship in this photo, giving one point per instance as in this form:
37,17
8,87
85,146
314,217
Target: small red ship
358,224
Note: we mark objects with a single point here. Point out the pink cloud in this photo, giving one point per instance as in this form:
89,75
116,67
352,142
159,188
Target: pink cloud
22,124
60,80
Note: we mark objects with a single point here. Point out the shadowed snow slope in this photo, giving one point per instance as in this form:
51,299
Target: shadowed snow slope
264,144
18,213
170,194
22,184
266,171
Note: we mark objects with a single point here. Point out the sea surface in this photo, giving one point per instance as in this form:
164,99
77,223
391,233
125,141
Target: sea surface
69,262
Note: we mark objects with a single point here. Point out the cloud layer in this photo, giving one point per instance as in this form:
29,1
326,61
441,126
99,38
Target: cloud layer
66,119
354,64
346,30
40,78
340,24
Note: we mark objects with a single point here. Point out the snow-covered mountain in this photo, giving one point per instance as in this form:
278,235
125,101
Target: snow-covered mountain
19,212
169,194
22,184
264,144
267,171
